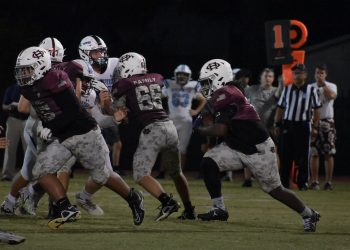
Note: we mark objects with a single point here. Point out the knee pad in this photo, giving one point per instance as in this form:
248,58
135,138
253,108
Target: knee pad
101,177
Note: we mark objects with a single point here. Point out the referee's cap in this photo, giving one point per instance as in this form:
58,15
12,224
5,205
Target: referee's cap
300,67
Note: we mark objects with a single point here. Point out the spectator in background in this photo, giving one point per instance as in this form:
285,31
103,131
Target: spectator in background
323,143
297,107
14,130
263,98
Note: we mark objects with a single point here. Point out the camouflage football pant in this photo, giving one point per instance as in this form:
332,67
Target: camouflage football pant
157,137
324,144
262,164
89,148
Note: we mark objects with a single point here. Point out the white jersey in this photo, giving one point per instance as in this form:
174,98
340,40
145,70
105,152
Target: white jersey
326,111
107,76
180,98
88,100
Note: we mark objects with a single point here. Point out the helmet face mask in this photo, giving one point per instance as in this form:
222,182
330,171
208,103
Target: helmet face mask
130,64
214,74
87,77
182,78
25,75
206,87
182,74
32,63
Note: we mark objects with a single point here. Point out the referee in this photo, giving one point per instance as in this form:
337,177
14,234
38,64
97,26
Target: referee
297,114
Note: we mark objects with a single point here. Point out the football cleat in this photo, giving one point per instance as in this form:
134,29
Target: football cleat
214,213
71,214
167,209
10,238
27,202
7,207
315,186
136,206
188,214
310,221
328,186
88,205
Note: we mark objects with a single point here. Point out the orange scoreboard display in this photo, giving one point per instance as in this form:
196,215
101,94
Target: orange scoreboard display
283,38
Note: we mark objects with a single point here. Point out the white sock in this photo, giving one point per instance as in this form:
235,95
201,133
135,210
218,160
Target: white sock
11,199
85,195
219,202
306,213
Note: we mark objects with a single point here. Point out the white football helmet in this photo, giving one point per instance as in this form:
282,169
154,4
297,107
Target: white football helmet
235,71
89,78
54,47
31,65
88,72
89,43
131,64
182,68
213,75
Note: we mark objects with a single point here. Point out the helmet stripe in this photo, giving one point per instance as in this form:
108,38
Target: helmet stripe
98,40
53,47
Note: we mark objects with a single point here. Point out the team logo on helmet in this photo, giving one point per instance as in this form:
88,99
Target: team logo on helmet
38,54
213,65
125,58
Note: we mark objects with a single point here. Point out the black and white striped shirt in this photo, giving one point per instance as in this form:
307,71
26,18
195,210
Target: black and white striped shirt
298,102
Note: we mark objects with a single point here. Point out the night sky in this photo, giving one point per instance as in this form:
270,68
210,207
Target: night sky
166,32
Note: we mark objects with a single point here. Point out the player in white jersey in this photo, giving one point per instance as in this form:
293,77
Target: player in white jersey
93,50
180,93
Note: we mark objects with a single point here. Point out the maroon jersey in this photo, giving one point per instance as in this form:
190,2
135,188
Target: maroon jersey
57,106
232,96
245,130
143,97
74,70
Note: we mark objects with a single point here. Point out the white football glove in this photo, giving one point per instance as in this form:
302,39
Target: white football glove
97,85
43,133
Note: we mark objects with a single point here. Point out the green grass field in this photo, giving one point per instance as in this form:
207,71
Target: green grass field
256,222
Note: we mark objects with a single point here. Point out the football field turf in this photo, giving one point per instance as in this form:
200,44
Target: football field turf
256,222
